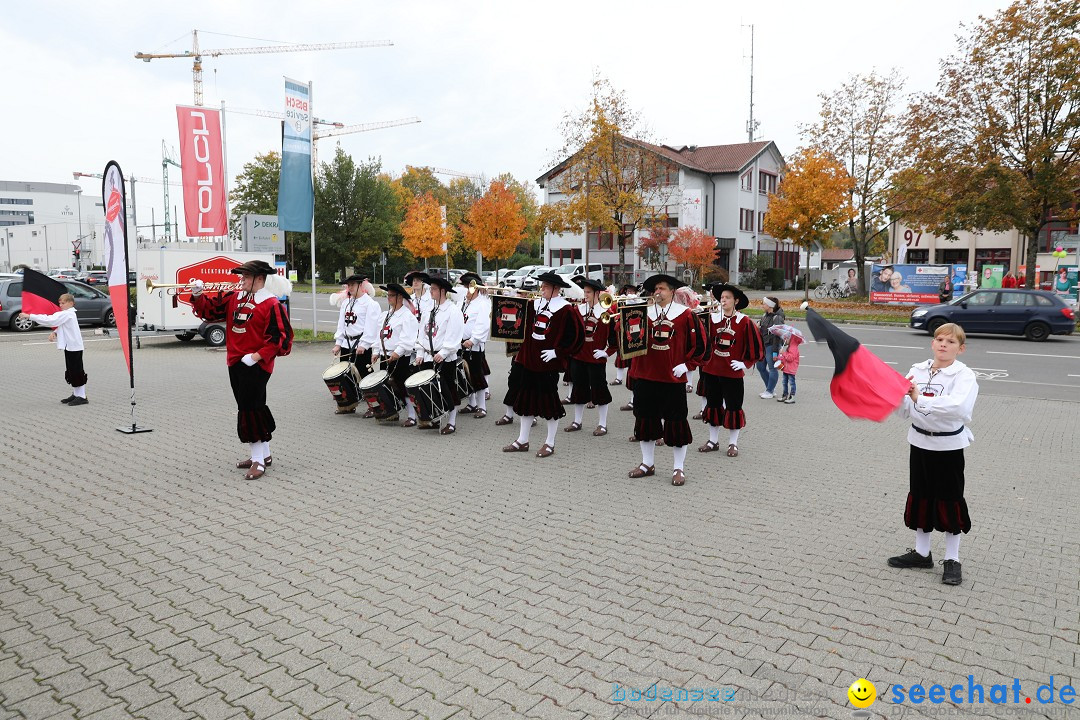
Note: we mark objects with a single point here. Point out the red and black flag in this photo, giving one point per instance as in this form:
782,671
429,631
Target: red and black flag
863,386
40,293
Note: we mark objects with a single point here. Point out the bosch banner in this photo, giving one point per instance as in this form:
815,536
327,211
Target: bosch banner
295,193
203,171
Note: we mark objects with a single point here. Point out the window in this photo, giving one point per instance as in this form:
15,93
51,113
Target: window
746,220
918,257
1040,300
601,240
744,260
563,256
761,222
1015,299
746,182
766,183
983,298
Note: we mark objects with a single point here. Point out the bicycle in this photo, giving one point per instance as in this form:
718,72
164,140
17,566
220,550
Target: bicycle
832,290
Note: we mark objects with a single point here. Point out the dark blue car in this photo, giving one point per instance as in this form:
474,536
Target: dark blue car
1035,314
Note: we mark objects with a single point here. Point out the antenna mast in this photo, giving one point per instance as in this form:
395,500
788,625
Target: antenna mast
751,124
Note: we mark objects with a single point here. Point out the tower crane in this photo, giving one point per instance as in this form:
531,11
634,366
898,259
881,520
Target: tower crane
197,55
453,173
336,128
166,161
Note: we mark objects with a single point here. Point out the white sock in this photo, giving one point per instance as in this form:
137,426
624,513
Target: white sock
266,449
508,411
256,452
922,542
410,408
526,426
481,400
620,373
579,413
569,389
79,391
631,398
603,415
704,402
471,400
952,546
733,437
714,434
553,427
648,452
453,417
680,456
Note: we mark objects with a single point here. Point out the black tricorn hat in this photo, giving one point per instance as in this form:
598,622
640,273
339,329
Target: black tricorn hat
741,300
469,277
355,278
441,283
409,276
395,288
583,282
254,267
650,283
552,278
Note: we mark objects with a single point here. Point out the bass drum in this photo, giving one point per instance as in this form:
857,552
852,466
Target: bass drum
422,387
377,392
343,382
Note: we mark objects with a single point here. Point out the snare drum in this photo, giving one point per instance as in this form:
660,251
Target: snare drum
422,387
463,379
377,391
343,382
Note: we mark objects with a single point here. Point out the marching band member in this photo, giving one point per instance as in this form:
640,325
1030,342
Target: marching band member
588,367
686,296
257,331
419,281
476,309
734,344
621,366
353,315
659,376
440,338
393,337
555,333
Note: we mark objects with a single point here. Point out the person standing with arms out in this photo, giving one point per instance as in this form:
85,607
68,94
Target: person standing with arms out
257,331
734,344
393,337
588,367
675,343
774,315
939,404
65,333
440,340
355,310
476,310
555,333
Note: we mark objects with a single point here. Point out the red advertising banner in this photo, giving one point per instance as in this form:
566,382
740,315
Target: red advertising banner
203,170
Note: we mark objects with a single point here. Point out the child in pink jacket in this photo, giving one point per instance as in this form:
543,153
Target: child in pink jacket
788,363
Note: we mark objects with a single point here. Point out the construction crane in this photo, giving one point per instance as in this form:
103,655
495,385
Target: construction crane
197,55
453,173
166,161
276,115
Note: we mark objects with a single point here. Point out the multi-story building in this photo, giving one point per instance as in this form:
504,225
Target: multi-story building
40,222
723,189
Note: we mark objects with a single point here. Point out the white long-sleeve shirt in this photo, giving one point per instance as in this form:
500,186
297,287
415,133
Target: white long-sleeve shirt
395,333
477,317
442,333
353,318
66,325
946,402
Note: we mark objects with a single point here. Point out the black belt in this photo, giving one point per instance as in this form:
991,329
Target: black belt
938,434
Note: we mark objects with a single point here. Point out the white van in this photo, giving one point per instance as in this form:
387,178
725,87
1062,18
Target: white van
572,270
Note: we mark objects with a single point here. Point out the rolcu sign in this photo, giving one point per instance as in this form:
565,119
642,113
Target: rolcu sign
213,270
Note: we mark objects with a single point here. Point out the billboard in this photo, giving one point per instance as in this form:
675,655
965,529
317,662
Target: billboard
1065,283
295,191
908,284
202,166
260,233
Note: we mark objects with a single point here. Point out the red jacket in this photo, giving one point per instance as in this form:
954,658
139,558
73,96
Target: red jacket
553,325
675,338
256,324
598,336
734,338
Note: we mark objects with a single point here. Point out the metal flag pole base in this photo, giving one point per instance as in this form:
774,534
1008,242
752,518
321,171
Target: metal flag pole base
134,427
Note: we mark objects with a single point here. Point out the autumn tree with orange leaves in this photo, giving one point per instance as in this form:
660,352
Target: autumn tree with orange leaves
422,231
692,248
812,202
495,223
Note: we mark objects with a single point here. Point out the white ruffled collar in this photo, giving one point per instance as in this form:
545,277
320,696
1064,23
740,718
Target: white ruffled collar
674,310
718,317
261,295
556,304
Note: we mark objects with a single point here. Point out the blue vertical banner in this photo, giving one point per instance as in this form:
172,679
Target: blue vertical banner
295,193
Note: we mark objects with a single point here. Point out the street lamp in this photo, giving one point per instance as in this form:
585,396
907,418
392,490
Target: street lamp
79,235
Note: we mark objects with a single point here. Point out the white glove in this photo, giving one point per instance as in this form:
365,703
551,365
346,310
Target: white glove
737,365
547,355
197,288
679,370
248,360
600,354
778,363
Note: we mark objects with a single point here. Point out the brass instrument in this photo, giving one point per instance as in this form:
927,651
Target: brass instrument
611,304
505,292
177,288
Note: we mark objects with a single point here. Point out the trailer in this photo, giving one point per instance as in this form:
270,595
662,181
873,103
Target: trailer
170,311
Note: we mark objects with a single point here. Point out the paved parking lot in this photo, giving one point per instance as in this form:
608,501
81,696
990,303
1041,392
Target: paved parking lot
388,573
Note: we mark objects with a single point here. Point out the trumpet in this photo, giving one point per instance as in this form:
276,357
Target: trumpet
613,304
176,289
505,292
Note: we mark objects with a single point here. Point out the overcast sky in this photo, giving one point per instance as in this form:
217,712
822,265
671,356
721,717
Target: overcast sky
489,80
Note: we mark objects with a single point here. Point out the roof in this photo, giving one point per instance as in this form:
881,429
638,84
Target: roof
710,159
837,254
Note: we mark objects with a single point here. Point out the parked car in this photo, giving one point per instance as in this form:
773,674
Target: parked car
96,277
572,270
513,280
488,277
529,282
92,306
1035,314
63,274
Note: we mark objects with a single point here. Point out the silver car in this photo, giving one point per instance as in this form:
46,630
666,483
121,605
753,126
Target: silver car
92,306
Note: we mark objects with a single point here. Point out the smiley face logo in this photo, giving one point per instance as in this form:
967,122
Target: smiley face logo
862,693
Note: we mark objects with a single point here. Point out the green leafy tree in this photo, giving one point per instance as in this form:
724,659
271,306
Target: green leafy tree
255,190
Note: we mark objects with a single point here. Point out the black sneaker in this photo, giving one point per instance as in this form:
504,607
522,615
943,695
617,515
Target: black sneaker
68,399
951,576
78,401
912,559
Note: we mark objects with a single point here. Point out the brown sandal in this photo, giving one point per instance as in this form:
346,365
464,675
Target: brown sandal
573,427
504,420
660,442
480,414
627,407
732,451
615,382
448,430
245,464
709,447
642,470
545,451
699,416
411,422
516,447
600,431
678,478
257,471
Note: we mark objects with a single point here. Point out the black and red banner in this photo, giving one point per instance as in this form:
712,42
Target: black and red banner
40,293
